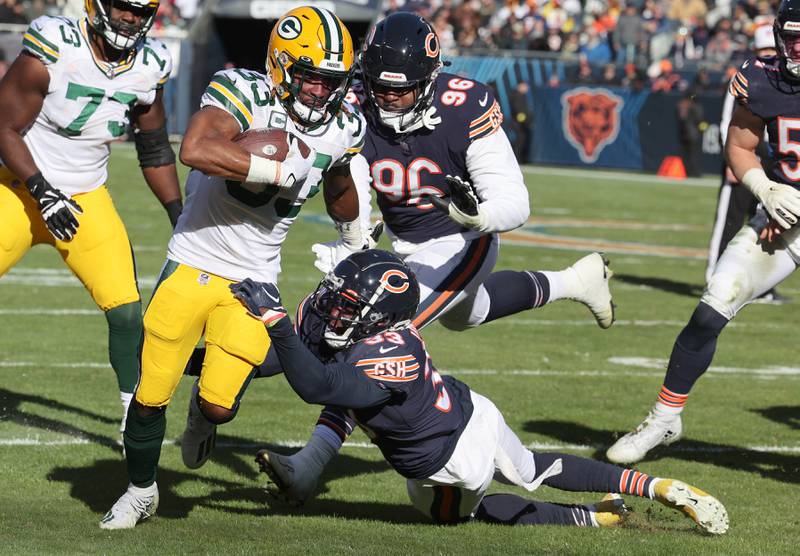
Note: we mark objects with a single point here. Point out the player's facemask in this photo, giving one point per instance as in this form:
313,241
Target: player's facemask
788,46
120,33
347,317
315,95
401,119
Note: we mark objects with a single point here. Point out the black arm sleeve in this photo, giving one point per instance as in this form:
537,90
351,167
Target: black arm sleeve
337,384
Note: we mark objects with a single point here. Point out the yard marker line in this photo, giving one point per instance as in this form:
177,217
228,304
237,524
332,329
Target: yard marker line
73,441
658,366
52,312
618,177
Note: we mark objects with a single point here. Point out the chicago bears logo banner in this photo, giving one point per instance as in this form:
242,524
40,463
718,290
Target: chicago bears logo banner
591,120
594,126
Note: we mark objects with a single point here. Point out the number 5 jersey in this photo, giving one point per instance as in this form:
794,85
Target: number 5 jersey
88,101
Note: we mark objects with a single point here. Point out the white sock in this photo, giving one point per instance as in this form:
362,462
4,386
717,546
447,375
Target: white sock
651,492
562,283
665,411
142,491
125,398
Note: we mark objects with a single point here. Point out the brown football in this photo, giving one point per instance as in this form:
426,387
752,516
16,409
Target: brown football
270,143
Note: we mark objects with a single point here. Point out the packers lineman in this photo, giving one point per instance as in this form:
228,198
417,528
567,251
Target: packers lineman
74,89
238,211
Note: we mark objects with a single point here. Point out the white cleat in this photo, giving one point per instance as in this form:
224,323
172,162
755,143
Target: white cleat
593,275
199,436
700,506
137,504
654,431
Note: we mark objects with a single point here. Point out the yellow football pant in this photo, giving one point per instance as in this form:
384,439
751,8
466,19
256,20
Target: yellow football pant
186,302
99,254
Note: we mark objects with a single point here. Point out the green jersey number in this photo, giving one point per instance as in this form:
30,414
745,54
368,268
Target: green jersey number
283,207
95,96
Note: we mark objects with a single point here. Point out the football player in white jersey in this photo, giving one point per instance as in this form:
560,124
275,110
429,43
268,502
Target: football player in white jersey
238,211
75,88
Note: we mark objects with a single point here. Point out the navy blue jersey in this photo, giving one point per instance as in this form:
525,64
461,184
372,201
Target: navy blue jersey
417,430
761,86
406,168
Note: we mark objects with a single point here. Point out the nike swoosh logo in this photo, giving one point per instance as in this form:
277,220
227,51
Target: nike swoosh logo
387,350
485,100
275,299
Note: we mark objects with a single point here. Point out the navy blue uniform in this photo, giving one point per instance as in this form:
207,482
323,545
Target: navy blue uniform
761,86
387,383
407,167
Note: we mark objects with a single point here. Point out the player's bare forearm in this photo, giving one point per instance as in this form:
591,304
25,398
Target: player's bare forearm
341,196
163,182
208,146
15,154
744,134
22,93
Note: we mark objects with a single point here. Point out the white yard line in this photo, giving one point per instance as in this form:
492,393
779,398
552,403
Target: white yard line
639,367
556,447
617,177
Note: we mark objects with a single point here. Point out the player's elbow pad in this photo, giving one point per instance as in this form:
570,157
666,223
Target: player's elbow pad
153,148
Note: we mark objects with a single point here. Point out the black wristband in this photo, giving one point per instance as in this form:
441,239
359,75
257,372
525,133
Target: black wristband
36,184
173,209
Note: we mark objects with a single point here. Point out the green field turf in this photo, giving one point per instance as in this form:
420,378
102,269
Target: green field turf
561,382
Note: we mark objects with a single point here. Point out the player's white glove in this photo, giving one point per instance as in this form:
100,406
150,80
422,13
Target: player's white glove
782,202
331,253
463,205
283,174
58,210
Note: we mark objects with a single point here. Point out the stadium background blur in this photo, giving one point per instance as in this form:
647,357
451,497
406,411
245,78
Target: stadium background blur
675,49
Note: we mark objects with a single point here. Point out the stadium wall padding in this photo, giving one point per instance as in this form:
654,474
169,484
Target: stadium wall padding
593,125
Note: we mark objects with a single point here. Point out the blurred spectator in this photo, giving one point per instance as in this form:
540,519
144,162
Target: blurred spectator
596,48
687,10
12,11
522,121
690,132
628,34
609,77
584,74
665,79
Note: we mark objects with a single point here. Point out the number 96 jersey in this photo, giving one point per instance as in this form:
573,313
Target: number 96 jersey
88,101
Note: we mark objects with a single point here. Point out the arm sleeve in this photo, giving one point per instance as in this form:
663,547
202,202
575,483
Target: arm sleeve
339,384
497,178
725,121
359,170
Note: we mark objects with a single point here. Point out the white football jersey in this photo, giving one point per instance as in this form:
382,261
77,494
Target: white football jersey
88,102
235,230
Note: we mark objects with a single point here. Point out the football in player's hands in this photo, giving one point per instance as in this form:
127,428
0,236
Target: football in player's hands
268,142
262,300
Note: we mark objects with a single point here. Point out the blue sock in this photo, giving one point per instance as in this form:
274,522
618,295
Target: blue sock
511,292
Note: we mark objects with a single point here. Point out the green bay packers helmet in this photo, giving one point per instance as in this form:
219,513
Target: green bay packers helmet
310,45
119,34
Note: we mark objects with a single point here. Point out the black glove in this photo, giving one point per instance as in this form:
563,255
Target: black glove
58,210
262,300
462,205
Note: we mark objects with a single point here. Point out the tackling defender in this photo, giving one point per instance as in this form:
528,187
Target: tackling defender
239,208
447,184
445,439
74,89
764,252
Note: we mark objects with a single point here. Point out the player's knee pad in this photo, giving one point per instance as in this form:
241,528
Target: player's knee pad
727,292
704,326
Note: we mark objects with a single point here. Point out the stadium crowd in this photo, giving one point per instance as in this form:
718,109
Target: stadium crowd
171,13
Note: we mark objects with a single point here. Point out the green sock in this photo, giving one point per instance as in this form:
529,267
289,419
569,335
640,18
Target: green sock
143,437
124,337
